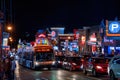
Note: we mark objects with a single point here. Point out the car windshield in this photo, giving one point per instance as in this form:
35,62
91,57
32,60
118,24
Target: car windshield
100,60
44,56
75,59
117,60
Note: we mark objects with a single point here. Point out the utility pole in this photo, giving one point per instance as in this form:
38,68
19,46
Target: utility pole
11,11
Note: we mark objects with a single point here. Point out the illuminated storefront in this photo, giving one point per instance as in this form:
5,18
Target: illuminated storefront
93,42
111,45
66,41
112,39
54,36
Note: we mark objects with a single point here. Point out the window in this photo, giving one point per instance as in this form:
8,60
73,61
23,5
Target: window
115,59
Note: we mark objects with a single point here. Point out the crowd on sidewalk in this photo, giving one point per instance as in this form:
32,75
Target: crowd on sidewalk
7,65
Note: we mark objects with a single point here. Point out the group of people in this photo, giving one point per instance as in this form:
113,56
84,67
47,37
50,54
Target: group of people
7,66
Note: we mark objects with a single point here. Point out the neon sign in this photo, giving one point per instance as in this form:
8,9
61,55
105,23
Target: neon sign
93,38
41,35
53,33
112,28
83,39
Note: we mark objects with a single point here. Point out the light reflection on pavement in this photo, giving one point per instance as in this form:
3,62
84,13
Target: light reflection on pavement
23,73
17,72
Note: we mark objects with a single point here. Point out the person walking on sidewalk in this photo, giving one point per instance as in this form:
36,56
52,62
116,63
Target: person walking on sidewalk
7,68
13,67
1,69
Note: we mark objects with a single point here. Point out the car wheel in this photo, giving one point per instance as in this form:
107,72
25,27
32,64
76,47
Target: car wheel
63,66
112,76
84,71
49,68
94,72
33,66
70,68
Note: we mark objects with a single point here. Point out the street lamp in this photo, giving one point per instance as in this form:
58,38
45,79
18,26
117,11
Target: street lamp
9,28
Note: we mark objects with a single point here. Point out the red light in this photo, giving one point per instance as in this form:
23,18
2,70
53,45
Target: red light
82,60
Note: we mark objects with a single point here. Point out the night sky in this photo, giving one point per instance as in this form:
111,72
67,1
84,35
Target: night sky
31,15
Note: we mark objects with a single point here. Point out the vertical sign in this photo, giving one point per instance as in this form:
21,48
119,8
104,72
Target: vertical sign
112,28
76,34
0,34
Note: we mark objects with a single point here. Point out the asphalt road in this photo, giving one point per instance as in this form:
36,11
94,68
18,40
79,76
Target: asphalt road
23,73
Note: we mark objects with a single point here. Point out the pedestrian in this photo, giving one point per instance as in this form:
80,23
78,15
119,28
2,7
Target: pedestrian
7,68
13,67
1,69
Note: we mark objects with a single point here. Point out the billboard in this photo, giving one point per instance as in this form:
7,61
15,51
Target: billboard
59,30
112,28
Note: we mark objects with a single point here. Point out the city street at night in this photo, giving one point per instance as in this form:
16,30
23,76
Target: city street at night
23,73
59,40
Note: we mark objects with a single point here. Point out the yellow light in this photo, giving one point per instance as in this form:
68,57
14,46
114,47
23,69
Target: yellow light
9,28
10,38
69,37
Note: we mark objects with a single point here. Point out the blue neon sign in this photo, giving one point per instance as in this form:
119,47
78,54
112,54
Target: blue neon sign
114,27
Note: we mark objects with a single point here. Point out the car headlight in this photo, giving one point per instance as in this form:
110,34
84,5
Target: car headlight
98,67
36,63
74,63
53,63
58,61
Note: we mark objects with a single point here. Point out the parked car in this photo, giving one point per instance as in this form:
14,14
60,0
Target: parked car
96,65
114,68
86,56
84,59
72,63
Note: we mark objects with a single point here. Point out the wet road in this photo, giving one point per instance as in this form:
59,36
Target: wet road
23,73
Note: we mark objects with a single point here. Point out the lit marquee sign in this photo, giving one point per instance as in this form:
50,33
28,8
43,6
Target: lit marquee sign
112,28
83,39
41,35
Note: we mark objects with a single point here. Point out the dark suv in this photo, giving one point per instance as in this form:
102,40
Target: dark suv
95,66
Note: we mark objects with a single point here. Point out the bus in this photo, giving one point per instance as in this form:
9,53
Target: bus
38,56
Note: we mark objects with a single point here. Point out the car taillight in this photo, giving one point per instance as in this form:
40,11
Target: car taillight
98,67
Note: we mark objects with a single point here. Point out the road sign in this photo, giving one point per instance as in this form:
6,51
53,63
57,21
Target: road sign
114,27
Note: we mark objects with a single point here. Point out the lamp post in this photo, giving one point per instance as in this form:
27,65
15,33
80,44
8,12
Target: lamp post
9,29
